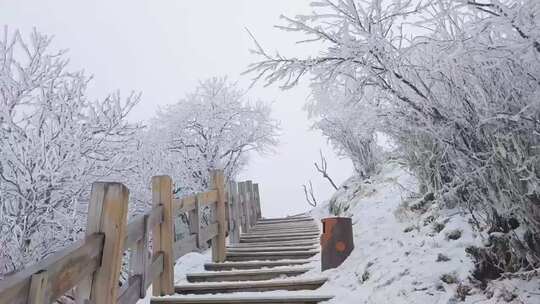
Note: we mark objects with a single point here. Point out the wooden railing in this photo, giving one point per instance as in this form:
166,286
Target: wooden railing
91,268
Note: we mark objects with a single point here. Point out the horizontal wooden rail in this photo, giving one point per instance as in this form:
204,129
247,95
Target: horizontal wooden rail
92,265
64,270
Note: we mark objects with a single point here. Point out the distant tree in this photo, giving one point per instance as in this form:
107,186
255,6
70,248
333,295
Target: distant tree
54,142
213,127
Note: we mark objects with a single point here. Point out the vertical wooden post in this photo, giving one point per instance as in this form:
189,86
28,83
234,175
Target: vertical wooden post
107,214
235,219
257,201
196,223
219,246
251,203
163,235
37,291
140,259
244,206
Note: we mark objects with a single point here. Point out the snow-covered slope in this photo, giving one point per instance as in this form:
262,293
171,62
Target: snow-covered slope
407,250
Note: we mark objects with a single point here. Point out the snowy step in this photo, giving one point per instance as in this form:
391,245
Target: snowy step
278,243
277,239
290,224
269,219
262,256
253,264
258,229
282,232
273,234
249,286
280,221
263,299
271,249
246,275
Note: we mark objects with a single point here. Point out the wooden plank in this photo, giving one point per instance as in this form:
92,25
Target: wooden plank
107,214
139,260
163,235
234,234
185,245
243,205
219,242
208,198
208,232
185,204
252,264
245,275
135,231
131,294
156,268
262,299
38,285
251,204
65,269
257,201
250,286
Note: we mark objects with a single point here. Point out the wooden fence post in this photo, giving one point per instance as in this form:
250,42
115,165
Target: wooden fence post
242,194
257,201
37,291
234,218
140,259
195,220
251,203
107,214
218,243
163,235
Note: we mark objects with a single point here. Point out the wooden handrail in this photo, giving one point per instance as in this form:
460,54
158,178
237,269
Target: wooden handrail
92,265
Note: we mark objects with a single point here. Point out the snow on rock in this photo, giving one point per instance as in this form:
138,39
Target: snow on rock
407,250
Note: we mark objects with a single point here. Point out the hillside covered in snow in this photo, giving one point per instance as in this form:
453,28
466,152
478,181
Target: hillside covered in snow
408,250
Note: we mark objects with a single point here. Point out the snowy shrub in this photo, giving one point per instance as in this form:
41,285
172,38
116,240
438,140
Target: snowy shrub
54,142
349,124
454,83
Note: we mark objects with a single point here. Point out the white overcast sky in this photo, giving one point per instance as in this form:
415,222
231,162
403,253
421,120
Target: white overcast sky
163,48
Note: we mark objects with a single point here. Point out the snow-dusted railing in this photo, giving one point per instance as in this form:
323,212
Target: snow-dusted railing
91,267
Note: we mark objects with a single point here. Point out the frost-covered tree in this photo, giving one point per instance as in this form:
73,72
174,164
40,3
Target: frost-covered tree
54,141
455,84
213,127
349,124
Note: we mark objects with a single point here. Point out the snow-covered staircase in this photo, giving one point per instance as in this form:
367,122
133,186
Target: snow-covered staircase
267,260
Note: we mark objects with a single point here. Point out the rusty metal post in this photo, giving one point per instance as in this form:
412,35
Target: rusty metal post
336,241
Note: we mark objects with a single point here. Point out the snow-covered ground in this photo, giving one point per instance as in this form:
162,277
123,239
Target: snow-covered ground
406,256
405,252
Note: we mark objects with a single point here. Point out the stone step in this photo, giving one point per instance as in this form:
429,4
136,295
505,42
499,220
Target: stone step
259,299
313,242
265,256
249,286
281,221
246,275
277,239
253,264
275,235
283,228
271,249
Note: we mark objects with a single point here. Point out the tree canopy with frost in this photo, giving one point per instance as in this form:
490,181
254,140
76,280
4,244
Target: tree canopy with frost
214,127
456,84
54,142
